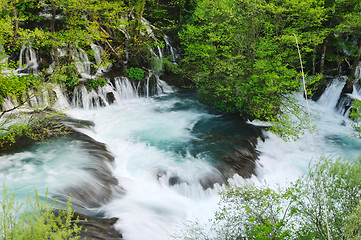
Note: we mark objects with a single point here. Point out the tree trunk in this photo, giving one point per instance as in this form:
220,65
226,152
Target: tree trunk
314,59
69,52
354,65
140,15
323,56
16,23
55,48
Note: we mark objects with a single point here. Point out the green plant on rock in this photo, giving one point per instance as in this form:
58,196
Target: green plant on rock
36,220
135,73
95,83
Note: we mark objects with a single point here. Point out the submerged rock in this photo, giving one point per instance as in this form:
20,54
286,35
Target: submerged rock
243,160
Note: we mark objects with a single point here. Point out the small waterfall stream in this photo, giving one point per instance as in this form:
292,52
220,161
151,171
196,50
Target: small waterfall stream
27,61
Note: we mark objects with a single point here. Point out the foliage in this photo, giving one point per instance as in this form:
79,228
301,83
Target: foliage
242,54
16,86
95,83
135,73
37,220
313,83
353,224
342,186
9,134
67,75
355,115
242,59
39,126
295,212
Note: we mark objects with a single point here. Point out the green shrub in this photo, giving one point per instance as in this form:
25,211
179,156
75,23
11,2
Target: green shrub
95,83
135,73
36,220
17,86
295,212
67,75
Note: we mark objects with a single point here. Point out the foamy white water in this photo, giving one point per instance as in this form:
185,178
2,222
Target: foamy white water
163,148
151,138
144,135
286,161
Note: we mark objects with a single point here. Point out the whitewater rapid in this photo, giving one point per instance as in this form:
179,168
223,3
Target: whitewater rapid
163,147
151,139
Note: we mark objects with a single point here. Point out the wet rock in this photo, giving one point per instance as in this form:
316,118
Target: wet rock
110,97
319,88
242,158
98,228
174,180
242,161
88,194
344,103
209,180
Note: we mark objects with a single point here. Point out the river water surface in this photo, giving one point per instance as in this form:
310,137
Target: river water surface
163,148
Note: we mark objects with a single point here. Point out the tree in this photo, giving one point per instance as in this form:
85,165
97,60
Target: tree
242,54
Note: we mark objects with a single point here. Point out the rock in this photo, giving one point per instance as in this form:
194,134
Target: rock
110,97
174,180
345,102
98,228
242,161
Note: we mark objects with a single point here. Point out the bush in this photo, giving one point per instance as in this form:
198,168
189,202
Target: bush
66,75
296,212
95,83
135,73
37,220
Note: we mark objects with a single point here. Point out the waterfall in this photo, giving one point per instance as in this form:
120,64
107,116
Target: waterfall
104,96
358,71
121,88
82,63
170,50
8,104
101,66
61,101
332,93
3,56
147,86
125,88
28,62
162,86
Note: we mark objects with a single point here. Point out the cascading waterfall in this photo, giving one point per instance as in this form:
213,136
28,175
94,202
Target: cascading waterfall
358,71
332,93
170,50
101,67
120,88
27,61
3,56
285,161
82,62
